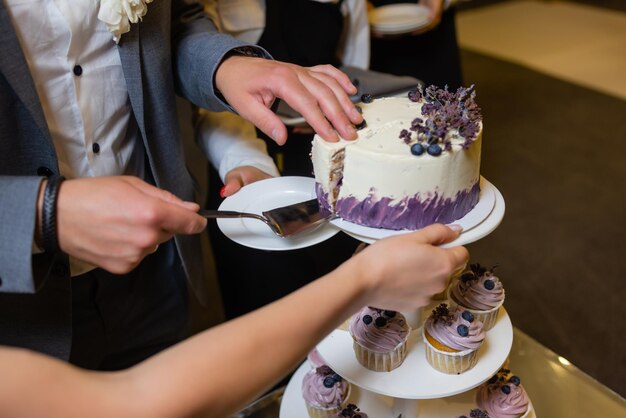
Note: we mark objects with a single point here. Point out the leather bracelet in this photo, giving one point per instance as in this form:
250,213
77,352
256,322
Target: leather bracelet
49,237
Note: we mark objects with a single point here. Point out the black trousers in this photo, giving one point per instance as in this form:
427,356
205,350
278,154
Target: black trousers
120,320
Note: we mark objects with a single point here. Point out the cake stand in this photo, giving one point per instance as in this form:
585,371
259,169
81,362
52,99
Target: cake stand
379,406
414,389
478,223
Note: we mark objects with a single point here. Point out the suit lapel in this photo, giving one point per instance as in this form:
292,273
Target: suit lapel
15,69
130,56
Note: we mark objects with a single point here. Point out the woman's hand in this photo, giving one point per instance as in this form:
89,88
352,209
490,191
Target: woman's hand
404,272
239,177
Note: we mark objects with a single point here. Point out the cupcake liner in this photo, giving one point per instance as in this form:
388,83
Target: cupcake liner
319,412
488,318
380,362
530,412
450,363
315,412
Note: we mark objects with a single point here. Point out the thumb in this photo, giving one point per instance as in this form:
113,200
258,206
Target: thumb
231,186
438,234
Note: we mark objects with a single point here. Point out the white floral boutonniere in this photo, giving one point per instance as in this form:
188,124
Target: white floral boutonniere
119,14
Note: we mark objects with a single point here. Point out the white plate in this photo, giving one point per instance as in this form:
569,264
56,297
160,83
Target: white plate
415,378
398,18
269,194
473,219
378,406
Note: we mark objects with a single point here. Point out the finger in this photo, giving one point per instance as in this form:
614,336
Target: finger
341,77
460,257
301,99
438,234
185,222
327,93
345,102
263,118
160,194
232,185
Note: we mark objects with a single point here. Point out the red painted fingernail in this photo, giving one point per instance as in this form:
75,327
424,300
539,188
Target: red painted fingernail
223,191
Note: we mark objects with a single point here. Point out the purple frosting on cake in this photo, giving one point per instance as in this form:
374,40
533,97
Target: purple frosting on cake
350,411
443,325
410,213
471,290
503,396
316,393
382,332
322,198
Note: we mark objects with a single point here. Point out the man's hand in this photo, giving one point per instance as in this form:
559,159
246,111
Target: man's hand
239,177
114,222
320,94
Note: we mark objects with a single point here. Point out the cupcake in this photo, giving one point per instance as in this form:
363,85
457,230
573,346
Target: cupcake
350,411
379,338
503,396
325,392
452,338
480,292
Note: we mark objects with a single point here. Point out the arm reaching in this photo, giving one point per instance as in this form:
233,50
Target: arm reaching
210,374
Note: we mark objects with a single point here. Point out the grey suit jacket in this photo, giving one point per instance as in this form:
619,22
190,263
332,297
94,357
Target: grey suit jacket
174,48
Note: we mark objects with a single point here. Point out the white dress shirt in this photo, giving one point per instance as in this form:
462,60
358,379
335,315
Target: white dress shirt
78,76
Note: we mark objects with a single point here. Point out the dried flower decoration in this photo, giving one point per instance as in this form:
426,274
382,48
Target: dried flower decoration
447,115
442,313
117,15
478,413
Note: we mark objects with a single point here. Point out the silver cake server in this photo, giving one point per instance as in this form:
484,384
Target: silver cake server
284,221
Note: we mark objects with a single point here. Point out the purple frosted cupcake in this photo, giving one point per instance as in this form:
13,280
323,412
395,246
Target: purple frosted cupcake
503,396
452,338
480,292
325,392
379,338
350,411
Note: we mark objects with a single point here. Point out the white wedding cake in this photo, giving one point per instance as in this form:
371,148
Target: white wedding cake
416,161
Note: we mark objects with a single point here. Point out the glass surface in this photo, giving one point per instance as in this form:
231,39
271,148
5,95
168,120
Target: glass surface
556,388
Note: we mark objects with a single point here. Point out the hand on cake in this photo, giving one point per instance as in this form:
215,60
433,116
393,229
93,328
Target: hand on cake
319,94
404,272
239,177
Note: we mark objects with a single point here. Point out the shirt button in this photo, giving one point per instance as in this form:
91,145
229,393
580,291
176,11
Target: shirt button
44,172
78,70
95,148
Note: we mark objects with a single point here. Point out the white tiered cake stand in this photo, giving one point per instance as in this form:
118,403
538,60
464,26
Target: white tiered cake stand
414,389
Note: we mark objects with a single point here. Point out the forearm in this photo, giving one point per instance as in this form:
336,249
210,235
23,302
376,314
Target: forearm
209,375
18,224
198,50
249,354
